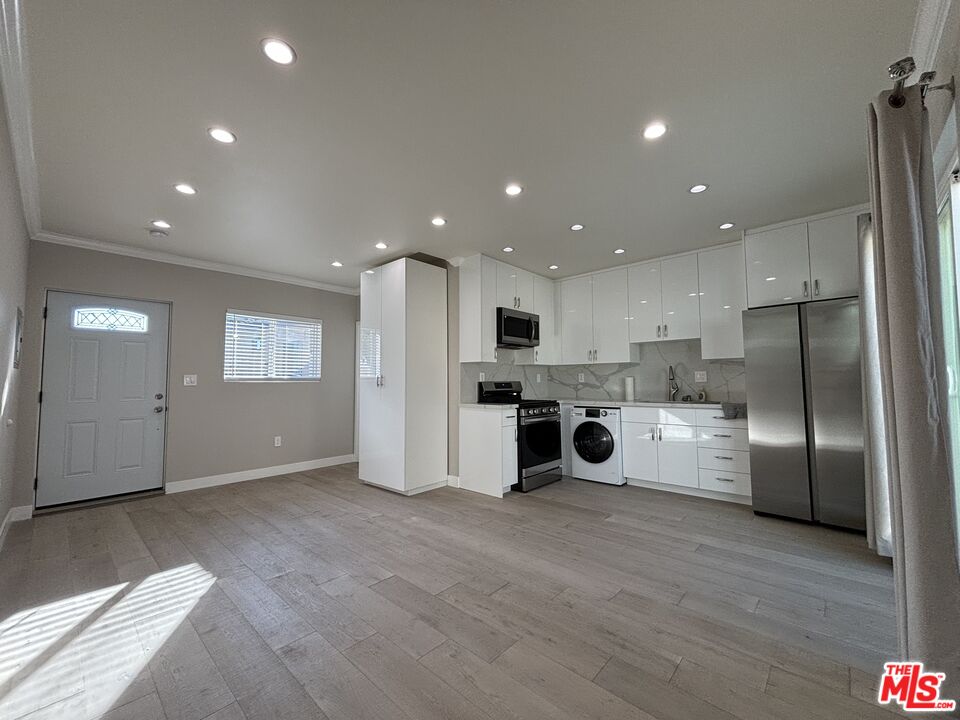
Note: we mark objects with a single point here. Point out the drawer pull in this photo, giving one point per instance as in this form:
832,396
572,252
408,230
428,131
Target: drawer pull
719,417
719,435
725,479
723,457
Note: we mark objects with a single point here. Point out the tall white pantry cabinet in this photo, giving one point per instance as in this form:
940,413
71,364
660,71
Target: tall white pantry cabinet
402,376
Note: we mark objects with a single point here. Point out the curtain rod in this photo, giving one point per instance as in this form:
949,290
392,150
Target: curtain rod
903,69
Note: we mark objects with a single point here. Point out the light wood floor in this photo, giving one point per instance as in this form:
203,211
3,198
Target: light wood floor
312,595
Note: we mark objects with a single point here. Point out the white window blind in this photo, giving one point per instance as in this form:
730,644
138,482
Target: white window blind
271,347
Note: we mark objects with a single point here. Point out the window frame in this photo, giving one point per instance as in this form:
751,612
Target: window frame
268,316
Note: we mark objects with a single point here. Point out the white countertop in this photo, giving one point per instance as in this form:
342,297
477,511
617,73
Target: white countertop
641,403
601,403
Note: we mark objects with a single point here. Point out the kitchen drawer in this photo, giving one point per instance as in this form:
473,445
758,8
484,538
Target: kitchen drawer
714,418
661,416
508,417
737,461
725,482
723,438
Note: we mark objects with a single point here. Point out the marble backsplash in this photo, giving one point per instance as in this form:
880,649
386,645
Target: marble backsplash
725,378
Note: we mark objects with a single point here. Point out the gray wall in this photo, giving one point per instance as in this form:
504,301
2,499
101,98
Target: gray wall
13,283
216,427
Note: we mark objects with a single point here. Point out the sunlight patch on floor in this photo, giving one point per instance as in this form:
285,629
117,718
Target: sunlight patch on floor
75,657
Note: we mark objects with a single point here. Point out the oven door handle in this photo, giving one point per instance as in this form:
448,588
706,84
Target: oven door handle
533,421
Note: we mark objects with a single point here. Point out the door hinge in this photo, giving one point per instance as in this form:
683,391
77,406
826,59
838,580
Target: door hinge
40,396
44,313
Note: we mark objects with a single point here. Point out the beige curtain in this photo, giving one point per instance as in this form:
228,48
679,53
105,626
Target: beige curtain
913,383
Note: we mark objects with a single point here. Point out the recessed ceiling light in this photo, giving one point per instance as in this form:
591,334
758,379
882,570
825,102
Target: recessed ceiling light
697,189
158,233
185,189
726,307
508,249
654,130
278,51
577,227
691,294
337,263
370,272
439,221
619,251
554,267
381,245
162,224
771,278
727,226
513,189
222,135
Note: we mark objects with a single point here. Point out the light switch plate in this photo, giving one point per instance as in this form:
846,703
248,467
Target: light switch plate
189,380
483,376
277,441
700,376
579,377
538,377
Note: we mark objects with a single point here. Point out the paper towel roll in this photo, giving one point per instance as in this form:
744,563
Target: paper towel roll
628,388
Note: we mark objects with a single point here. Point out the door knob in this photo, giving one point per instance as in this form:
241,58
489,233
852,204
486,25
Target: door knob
158,396
158,409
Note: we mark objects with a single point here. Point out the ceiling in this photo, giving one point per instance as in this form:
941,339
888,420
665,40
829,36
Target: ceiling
396,112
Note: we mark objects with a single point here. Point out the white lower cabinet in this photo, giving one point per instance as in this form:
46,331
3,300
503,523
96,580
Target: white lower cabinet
508,456
677,455
639,443
670,446
488,449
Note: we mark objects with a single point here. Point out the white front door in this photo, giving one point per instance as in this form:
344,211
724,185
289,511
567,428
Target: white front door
104,390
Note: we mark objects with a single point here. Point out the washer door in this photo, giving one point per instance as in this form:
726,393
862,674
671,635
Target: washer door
593,442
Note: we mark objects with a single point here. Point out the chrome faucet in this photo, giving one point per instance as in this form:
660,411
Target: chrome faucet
672,385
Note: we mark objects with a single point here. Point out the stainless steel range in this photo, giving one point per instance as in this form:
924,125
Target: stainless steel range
538,433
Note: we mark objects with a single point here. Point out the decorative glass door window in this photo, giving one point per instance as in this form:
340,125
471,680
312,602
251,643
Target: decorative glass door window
113,319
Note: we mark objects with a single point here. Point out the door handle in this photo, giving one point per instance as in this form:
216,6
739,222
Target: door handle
158,396
158,409
806,289
816,286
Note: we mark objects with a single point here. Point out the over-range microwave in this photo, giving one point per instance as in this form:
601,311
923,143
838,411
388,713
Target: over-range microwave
517,329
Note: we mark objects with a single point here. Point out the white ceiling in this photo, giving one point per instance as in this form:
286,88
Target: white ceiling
400,110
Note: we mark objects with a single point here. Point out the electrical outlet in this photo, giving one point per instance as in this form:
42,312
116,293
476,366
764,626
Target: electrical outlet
189,380
277,440
579,377
700,376
538,377
483,376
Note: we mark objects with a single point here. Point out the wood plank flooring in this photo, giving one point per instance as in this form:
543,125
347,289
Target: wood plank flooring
314,596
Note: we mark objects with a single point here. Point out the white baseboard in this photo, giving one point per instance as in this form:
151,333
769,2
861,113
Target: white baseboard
695,492
453,481
256,473
14,514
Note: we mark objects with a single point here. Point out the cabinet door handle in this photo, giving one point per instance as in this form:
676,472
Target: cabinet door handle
653,434
515,434
816,286
719,435
723,457
665,330
658,331
659,433
725,479
806,289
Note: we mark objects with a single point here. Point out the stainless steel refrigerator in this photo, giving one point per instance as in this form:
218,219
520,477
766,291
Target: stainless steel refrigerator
805,412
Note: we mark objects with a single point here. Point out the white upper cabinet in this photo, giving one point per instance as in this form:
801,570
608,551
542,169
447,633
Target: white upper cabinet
723,297
804,261
643,283
576,308
834,261
611,341
514,288
778,266
545,305
679,298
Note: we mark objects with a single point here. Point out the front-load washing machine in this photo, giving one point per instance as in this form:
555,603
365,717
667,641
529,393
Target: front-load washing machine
595,455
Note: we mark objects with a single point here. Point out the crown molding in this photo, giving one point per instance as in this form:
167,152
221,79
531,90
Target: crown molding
928,32
16,92
172,259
